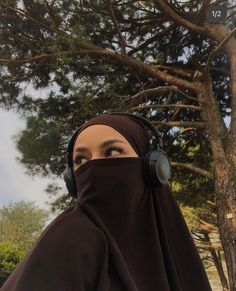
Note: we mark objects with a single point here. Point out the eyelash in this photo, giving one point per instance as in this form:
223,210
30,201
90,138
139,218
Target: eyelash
78,158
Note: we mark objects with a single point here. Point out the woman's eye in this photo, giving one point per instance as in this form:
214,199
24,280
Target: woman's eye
116,149
79,160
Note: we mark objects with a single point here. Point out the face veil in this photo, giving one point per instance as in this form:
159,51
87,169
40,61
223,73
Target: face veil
121,234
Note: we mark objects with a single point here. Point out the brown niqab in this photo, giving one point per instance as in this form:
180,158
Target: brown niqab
122,234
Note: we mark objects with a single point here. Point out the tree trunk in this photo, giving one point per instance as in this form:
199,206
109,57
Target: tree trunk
220,260
218,264
226,209
224,169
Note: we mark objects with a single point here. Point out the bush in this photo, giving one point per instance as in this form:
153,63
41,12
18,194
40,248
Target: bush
9,257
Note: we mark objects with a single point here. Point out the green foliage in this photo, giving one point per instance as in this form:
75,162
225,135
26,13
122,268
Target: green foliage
190,215
37,143
58,202
21,223
50,34
10,256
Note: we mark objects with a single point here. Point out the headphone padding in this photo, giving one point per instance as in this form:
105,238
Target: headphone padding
157,169
70,182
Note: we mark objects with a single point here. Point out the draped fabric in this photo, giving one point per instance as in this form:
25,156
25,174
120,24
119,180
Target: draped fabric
121,234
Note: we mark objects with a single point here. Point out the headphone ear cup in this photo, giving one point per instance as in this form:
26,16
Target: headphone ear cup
157,169
70,182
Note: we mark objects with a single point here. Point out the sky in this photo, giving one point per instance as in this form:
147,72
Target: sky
15,185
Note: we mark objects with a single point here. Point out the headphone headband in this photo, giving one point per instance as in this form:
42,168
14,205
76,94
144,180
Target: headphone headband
158,140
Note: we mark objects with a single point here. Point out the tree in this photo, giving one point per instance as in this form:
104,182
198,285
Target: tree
124,55
9,258
21,223
195,199
206,238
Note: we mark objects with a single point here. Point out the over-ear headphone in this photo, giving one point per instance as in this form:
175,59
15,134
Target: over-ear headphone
156,165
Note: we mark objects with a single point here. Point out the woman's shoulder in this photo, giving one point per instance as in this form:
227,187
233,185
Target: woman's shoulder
70,252
73,226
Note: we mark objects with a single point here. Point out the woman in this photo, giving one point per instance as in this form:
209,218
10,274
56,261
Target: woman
122,234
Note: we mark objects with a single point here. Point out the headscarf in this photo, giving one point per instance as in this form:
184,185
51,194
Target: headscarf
121,235
132,129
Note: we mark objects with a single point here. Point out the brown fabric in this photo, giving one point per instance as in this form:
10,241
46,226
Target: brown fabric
132,129
120,235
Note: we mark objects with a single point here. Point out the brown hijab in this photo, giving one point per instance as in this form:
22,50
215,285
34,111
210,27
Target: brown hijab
122,234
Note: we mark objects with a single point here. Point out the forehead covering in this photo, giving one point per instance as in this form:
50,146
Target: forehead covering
132,129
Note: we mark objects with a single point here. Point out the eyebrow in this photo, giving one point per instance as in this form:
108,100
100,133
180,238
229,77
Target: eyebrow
102,145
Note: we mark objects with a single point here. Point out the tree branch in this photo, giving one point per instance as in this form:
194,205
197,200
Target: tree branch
177,18
180,124
188,72
113,17
177,70
90,49
136,65
213,53
167,106
218,32
185,130
218,69
152,39
193,168
21,40
202,12
21,12
163,89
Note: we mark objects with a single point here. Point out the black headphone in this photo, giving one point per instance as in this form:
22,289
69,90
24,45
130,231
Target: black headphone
157,170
